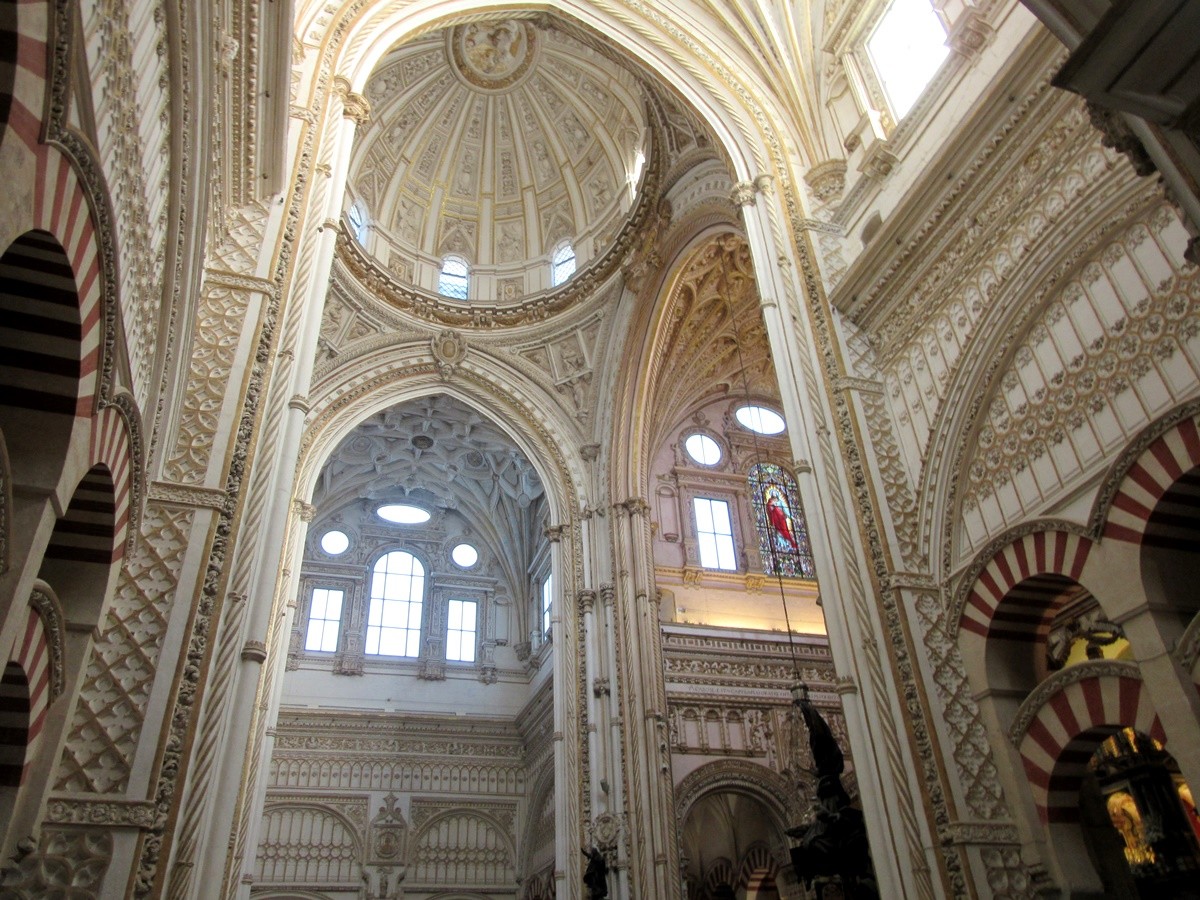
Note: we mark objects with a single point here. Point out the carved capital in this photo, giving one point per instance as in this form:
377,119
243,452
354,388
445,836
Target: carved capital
879,161
112,813
555,533
607,594
827,180
743,193
587,600
354,106
254,651
306,511
1116,135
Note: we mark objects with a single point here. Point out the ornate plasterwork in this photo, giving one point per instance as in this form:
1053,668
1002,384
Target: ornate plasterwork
1031,415
70,862
49,610
961,718
220,319
110,813
108,718
714,338
135,129
770,788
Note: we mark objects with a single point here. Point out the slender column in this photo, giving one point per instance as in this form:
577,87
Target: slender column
643,701
852,638
355,112
246,706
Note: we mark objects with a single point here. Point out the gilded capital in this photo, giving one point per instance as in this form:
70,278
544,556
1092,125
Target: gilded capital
354,105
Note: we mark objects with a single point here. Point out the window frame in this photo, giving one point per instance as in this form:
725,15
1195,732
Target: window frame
444,277
311,591
419,615
875,76
731,514
546,605
474,631
559,260
361,228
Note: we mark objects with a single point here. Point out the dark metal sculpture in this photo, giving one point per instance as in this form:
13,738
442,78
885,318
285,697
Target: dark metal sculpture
595,877
835,844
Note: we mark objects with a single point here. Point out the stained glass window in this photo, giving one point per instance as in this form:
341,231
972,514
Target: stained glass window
782,531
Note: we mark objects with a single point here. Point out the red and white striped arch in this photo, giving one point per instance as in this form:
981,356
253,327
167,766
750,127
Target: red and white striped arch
61,208
1061,738
26,97
60,204
111,446
1159,466
1026,561
25,692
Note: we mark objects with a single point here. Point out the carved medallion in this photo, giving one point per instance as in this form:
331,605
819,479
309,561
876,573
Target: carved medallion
493,55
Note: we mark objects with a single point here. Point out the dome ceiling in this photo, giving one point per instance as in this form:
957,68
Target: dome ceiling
495,141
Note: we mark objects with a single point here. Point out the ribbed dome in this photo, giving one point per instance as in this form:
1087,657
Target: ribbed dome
495,142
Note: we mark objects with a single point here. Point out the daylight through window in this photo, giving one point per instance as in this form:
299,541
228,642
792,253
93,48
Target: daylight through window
714,533
460,630
394,617
324,620
907,48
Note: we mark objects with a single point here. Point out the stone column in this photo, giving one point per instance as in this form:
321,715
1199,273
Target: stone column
654,866
900,833
236,719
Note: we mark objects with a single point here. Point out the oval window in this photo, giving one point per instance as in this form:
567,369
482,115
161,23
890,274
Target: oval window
760,419
465,555
402,514
335,542
703,449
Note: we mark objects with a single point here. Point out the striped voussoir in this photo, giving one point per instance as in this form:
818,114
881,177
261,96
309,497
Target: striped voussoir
1011,595
50,301
23,61
111,447
85,532
24,699
1066,731
1160,466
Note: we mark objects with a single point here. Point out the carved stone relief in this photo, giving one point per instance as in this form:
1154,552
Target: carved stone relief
110,712
220,321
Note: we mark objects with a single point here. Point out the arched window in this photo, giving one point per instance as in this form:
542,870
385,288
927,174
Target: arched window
562,263
782,532
455,278
357,214
907,48
394,616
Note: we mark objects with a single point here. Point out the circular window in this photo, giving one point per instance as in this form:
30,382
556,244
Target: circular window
703,449
760,419
335,542
465,555
402,514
